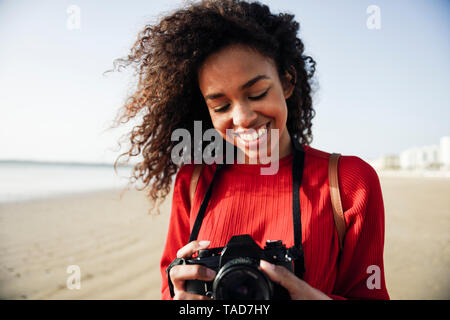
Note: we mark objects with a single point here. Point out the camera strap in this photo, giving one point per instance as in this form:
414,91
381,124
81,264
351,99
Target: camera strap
295,252
297,175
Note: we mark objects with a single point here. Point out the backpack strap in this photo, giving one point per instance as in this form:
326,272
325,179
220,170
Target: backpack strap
336,202
194,181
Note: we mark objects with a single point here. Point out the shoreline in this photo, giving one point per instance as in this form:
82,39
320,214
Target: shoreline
434,174
60,196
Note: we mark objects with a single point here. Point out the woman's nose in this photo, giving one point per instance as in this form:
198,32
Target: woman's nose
244,116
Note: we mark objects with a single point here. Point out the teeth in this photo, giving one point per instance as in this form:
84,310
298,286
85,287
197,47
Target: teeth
253,135
261,131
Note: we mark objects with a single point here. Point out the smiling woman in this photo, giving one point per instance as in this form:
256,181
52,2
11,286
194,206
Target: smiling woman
168,57
251,109
236,67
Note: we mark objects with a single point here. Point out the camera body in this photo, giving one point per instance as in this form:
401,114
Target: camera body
238,276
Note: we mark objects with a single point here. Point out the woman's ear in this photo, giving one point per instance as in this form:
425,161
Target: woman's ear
289,80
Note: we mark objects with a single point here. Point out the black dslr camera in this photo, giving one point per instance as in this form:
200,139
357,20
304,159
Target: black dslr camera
238,276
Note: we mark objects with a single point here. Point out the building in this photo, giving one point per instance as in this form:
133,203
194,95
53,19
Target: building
420,158
444,152
417,158
387,162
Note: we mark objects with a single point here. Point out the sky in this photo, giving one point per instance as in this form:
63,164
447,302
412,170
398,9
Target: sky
379,90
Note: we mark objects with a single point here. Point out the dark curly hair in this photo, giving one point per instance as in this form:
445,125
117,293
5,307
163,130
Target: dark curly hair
166,57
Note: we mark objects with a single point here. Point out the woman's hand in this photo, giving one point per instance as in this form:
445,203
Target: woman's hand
179,274
297,288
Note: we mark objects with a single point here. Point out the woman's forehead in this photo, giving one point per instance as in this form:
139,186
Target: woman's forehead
233,66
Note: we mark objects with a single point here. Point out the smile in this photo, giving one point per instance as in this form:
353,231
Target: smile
253,135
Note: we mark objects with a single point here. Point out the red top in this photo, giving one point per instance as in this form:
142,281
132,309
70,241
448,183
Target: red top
245,202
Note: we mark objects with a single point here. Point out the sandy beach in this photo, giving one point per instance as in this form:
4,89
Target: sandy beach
117,244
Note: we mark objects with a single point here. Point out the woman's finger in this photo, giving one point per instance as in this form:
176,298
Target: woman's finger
192,247
297,288
179,274
281,275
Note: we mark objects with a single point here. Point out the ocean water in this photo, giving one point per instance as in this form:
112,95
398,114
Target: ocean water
21,180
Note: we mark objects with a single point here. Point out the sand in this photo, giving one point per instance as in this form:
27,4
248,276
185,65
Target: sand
417,241
117,245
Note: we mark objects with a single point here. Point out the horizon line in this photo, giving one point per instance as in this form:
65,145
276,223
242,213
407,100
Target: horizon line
62,162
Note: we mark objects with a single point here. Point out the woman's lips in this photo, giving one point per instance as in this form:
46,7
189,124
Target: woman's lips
253,137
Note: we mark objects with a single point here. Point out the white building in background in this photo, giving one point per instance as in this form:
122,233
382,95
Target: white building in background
408,158
391,162
418,158
444,152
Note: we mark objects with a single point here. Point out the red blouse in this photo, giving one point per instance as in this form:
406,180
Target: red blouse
245,202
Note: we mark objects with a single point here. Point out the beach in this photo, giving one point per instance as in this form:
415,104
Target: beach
117,244
417,241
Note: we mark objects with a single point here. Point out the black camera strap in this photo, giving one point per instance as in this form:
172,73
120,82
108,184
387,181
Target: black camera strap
297,174
296,252
204,205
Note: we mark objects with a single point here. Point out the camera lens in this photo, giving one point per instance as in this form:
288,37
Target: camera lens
240,279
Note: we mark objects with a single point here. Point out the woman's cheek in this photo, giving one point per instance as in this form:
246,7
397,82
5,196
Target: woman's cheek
221,127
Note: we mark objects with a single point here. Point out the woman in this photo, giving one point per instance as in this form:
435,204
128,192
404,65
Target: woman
240,69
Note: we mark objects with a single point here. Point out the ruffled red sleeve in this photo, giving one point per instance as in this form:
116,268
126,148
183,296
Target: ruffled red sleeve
179,228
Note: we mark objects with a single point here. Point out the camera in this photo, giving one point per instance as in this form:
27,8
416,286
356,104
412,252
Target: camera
238,276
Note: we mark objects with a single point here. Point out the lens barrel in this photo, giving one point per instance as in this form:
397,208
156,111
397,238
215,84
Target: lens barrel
240,279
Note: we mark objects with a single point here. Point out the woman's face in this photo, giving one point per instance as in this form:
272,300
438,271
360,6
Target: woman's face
245,96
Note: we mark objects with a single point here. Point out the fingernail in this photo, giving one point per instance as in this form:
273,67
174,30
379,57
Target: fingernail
266,265
204,243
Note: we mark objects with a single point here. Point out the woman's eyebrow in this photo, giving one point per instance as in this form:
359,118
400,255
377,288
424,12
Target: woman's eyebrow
246,85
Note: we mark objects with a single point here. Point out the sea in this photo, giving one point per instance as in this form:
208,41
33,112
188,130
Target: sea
29,180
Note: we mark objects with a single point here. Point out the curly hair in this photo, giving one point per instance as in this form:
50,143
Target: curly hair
166,57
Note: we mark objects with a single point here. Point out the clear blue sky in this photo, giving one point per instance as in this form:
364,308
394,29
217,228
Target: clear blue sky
380,91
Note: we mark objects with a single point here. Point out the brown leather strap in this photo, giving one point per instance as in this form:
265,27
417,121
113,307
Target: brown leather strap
194,182
336,203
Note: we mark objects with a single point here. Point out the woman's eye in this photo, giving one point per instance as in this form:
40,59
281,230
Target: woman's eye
260,96
222,109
